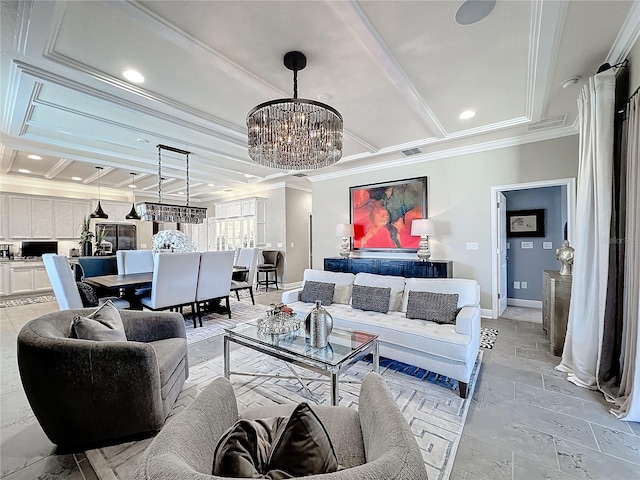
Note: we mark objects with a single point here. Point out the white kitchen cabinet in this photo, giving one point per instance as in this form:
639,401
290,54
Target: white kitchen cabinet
81,210
234,209
41,217
5,283
122,210
19,217
244,225
248,208
25,277
4,218
21,278
41,281
68,217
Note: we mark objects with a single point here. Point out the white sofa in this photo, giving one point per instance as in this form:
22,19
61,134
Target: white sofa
446,349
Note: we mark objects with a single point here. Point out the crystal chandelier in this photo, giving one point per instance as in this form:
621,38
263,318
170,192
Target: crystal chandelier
164,212
294,133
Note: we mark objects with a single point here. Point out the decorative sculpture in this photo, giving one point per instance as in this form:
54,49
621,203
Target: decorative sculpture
318,325
565,255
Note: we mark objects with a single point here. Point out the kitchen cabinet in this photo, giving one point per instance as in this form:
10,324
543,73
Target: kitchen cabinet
41,217
4,218
24,277
68,217
30,217
243,224
19,216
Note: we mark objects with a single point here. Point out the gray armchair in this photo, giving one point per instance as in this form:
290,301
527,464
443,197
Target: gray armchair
87,392
374,442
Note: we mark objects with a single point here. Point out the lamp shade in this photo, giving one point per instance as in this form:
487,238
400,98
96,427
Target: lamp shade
344,230
422,226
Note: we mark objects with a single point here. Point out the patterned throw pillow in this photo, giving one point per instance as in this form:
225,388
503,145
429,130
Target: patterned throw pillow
322,291
436,307
88,294
372,299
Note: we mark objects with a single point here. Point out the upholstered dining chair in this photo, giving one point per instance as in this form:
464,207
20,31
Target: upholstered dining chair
135,261
64,284
175,279
247,257
270,266
214,279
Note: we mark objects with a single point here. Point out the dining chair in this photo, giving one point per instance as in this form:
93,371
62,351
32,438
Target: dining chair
135,261
64,284
247,257
175,279
214,280
270,266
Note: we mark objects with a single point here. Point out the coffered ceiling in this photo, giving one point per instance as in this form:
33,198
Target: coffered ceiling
400,73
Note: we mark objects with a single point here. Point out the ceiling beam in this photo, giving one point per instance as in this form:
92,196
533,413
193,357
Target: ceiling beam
99,173
57,168
127,182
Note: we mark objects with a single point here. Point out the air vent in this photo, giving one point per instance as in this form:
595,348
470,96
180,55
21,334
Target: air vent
549,122
299,175
411,151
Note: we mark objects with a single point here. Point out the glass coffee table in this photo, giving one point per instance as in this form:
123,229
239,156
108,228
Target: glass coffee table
344,349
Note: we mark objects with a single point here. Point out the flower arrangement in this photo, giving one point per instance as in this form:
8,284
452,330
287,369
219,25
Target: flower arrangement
281,308
172,240
86,235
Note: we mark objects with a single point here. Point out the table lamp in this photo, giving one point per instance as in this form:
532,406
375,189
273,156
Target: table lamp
423,227
344,230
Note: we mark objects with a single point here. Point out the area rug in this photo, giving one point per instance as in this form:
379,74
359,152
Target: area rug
488,337
16,302
434,411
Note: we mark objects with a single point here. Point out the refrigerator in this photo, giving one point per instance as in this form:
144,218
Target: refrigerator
122,236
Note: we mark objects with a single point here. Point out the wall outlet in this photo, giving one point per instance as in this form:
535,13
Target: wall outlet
508,245
143,245
269,244
526,245
279,244
472,245
547,245
516,285
523,284
291,244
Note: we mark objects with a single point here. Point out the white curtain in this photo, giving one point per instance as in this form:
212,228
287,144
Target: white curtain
628,401
581,354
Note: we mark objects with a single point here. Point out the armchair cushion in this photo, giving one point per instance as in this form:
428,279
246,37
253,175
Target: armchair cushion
436,307
322,291
372,299
276,447
104,324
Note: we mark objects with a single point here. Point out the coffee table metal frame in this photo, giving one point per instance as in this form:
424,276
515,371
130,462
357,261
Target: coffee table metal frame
303,361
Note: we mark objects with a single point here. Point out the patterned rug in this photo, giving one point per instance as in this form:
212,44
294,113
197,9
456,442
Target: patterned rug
16,302
488,337
435,412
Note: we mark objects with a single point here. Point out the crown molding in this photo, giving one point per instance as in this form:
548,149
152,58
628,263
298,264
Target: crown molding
627,37
453,152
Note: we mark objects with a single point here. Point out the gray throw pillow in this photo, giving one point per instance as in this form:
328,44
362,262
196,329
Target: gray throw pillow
276,448
436,307
322,291
105,324
372,299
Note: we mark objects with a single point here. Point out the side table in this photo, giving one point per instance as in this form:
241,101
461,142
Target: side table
556,294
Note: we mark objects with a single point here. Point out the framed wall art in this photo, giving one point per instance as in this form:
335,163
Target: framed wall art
382,213
525,223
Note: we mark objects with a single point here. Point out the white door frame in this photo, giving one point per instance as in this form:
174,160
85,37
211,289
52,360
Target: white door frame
570,183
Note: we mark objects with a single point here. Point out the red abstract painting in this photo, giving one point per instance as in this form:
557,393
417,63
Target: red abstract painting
382,214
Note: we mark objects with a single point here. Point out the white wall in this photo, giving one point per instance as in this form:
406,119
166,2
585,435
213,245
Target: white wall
459,191
297,246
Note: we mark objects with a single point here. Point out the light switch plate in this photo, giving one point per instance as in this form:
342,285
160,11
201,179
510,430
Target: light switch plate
523,284
516,285
508,245
526,245
279,244
472,245
547,245
269,244
143,245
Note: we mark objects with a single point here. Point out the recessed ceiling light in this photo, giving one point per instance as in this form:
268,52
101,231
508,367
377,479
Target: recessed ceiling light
211,184
77,179
132,186
472,11
467,114
142,140
180,193
24,170
133,76
34,157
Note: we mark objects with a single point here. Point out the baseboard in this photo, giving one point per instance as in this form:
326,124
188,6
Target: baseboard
486,313
517,302
291,286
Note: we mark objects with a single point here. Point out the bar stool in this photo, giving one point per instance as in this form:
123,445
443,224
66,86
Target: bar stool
270,265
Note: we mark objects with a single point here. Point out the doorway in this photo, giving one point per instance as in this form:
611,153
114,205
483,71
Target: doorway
499,243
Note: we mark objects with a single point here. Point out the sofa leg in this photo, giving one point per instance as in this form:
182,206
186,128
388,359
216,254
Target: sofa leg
464,392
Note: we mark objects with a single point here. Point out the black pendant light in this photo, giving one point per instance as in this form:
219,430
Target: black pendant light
99,213
133,214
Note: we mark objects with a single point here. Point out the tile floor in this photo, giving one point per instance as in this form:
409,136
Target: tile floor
526,421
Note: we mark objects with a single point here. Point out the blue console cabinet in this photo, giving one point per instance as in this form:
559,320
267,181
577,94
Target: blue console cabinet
385,266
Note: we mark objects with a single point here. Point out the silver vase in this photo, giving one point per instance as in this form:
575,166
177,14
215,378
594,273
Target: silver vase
318,325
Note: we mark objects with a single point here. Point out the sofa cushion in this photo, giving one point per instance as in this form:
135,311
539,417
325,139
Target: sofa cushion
436,307
343,282
104,324
278,447
467,290
313,291
374,299
394,282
